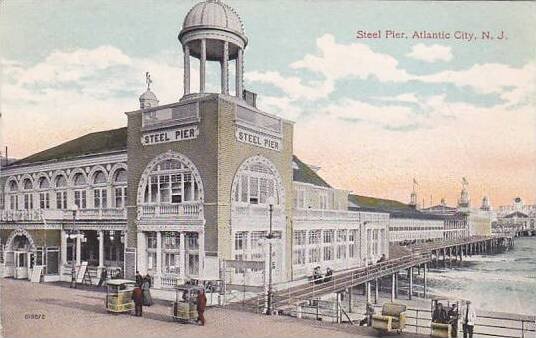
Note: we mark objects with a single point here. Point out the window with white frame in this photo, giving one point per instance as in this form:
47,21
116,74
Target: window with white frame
256,250
300,241
13,198
352,238
170,252
79,183
171,182
328,245
151,242
100,192
27,187
61,192
241,241
299,198
323,199
256,183
120,188
44,196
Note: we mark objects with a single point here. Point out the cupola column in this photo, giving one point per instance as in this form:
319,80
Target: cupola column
186,69
239,71
202,65
225,69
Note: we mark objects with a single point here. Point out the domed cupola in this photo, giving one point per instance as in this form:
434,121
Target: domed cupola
213,31
148,99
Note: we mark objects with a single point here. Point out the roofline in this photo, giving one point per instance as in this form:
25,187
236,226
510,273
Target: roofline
30,164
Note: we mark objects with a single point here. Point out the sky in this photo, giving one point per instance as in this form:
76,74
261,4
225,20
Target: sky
373,113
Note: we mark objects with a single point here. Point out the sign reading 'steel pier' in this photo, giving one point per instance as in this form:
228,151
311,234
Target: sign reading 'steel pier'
170,135
257,139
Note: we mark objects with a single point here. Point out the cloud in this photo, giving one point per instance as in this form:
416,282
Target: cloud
73,92
513,85
338,61
431,53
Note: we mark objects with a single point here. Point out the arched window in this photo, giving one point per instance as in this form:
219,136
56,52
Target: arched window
28,196
120,188
255,184
171,182
61,192
99,178
79,180
27,184
44,196
13,198
100,192
44,183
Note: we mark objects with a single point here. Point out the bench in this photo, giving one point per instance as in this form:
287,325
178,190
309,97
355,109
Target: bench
393,318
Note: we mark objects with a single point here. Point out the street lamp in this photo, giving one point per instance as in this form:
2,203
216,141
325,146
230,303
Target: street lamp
271,202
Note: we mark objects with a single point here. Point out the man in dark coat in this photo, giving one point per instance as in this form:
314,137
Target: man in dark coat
139,279
201,305
137,297
103,276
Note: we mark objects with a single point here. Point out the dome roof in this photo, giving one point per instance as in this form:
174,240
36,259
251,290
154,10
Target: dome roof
148,95
213,13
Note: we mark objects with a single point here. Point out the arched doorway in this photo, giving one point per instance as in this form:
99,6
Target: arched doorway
19,253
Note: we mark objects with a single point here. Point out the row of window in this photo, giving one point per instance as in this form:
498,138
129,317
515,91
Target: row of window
325,198
100,199
415,228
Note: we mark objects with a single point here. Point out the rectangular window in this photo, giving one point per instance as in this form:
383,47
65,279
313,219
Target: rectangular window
61,200
253,190
341,251
314,255
300,237
263,190
44,200
328,236
151,240
299,256
28,201
80,198
241,241
164,188
13,202
188,188
176,188
314,237
328,253
100,198
244,185
120,197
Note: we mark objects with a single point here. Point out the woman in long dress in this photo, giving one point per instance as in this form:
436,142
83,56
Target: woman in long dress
146,288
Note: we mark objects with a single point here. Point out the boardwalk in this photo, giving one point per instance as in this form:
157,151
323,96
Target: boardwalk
287,296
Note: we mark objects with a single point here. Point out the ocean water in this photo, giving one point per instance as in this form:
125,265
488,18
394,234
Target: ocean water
503,282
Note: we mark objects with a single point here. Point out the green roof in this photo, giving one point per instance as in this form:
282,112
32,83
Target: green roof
303,173
94,143
377,203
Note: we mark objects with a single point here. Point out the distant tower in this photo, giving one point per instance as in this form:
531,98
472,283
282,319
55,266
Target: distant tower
518,203
464,201
413,196
213,31
486,205
443,202
148,99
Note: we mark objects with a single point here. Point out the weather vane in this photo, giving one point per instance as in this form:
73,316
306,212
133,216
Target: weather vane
148,80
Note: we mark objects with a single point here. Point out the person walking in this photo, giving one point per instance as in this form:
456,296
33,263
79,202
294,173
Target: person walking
137,297
103,276
469,319
201,305
146,288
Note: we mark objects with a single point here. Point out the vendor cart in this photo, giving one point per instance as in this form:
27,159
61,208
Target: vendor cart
185,305
119,295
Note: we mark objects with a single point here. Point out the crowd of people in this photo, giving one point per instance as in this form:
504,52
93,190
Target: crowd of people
141,295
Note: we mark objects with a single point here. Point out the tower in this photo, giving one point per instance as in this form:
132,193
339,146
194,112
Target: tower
213,31
464,201
148,99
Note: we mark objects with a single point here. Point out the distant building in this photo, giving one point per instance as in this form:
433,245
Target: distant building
406,224
517,216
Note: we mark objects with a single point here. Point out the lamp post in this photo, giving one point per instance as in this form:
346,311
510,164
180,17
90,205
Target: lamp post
270,202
